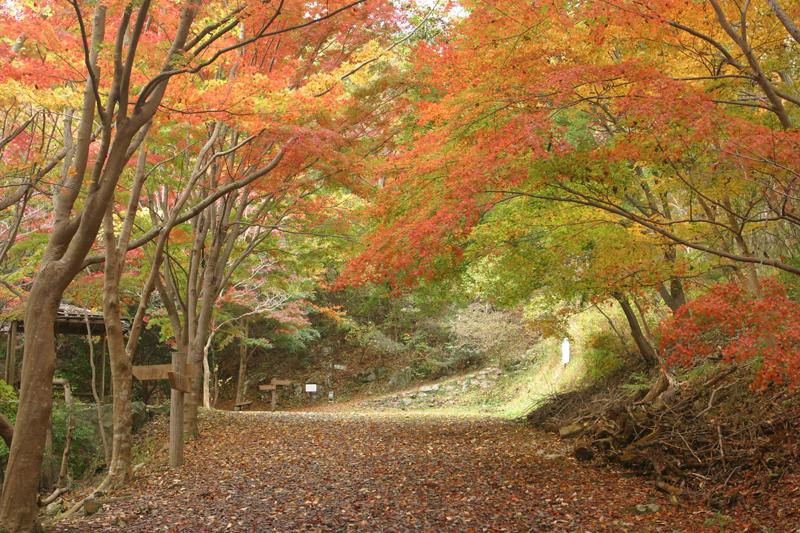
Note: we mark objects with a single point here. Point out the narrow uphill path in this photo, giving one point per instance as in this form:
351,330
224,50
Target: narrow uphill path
350,472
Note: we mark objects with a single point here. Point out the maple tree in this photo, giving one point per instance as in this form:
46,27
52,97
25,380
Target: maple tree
658,116
224,57
731,324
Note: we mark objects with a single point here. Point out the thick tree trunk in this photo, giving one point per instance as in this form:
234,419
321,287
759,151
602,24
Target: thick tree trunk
647,351
18,507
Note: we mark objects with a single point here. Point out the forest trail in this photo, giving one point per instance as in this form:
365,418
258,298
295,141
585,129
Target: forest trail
384,472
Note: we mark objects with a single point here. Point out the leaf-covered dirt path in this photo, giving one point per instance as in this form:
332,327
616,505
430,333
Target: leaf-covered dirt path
351,472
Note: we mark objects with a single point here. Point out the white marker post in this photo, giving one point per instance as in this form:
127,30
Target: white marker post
565,351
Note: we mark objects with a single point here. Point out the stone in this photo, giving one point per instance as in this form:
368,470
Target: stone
647,508
429,388
54,507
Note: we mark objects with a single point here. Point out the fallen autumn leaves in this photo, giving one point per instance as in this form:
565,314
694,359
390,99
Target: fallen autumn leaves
342,472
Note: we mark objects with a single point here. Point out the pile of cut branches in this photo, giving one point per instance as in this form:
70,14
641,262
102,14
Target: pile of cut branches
712,431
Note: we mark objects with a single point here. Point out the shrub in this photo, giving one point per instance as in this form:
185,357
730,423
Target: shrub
605,356
8,408
85,449
730,324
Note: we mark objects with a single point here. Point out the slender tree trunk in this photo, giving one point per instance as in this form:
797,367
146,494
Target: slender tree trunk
647,351
63,472
121,385
648,334
206,302
241,381
6,430
11,354
119,362
48,465
98,402
206,381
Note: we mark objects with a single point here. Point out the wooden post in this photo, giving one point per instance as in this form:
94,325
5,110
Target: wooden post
273,389
180,377
176,415
11,353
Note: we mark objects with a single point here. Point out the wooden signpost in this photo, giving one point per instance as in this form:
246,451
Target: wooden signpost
151,372
180,378
273,389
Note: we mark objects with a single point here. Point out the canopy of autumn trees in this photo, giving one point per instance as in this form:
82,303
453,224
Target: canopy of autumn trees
600,150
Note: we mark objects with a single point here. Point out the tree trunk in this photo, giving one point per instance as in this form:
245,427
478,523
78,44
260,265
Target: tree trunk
206,381
176,410
647,351
121,385
6,430
207,300
18,506
63,471
673,295
194,397
119,363
48,464
98,401
11,353
241,383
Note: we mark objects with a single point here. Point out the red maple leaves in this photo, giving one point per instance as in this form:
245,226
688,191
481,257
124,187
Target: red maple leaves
730,323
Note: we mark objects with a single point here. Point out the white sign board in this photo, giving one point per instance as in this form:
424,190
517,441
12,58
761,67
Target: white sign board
311,387
565,351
